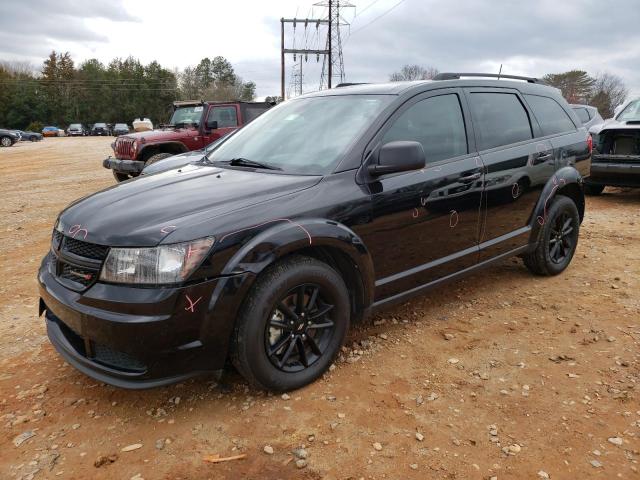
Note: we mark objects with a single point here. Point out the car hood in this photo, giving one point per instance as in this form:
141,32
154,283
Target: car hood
144,211
163,134
613,124
175,161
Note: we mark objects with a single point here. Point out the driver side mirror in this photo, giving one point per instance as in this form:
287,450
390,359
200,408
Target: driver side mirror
399,156
212,124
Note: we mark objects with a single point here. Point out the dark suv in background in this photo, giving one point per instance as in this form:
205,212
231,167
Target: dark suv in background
323,209
100,129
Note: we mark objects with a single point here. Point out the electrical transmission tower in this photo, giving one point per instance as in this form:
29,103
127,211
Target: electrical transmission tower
333,66
333,63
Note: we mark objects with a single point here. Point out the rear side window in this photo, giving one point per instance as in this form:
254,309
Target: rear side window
500,119
252,112
583,114
225,116
551,116
437,123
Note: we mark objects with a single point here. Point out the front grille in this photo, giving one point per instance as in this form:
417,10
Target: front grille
83,276
85,249
76,263
124,148
113,358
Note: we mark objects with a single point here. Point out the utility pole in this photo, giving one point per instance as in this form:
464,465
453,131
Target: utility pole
333,65
297,51
329,47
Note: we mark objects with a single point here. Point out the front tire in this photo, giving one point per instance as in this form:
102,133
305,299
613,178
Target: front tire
291,325
120,177
557,238
156,157
593,189
6,141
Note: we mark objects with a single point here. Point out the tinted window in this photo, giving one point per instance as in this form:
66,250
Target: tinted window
225,116
437,123
500,119
582,113
551,116
252,112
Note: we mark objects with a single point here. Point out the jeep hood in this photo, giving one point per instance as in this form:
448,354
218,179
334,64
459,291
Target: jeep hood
161,135
144,211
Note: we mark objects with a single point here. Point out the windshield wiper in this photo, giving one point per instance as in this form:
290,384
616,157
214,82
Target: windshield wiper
245,162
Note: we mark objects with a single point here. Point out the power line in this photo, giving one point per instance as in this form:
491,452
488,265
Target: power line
375,19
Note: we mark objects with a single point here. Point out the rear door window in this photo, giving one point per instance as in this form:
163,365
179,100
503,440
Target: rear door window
225,116
550,115
437,123
499,118
583,114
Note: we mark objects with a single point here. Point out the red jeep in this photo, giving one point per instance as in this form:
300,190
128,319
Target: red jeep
193,125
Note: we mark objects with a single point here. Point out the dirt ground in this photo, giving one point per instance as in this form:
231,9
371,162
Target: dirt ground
501,375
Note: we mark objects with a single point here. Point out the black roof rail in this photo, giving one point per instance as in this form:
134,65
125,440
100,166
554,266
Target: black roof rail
456,76
340,85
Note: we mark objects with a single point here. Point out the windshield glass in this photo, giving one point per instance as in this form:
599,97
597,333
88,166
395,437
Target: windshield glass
187,115
304,136
630,112
100,125
74,126
121,125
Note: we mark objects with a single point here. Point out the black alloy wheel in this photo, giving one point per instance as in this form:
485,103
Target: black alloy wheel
561,241
299,329
291,325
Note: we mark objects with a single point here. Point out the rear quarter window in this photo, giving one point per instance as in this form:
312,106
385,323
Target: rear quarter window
500,119
550,115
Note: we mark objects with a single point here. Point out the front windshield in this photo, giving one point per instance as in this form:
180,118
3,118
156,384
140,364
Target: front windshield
100,125
120,125
305,135
74,126
187,115
631,112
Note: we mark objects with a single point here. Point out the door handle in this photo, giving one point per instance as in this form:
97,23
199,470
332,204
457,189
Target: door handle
542,157
470,178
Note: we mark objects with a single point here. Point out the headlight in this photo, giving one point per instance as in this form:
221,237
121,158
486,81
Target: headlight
164,264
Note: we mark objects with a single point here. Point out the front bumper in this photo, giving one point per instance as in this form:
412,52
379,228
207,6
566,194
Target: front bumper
139,337
615,170
123,166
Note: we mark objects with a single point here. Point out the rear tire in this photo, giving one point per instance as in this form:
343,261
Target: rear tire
286,336
557,239
593,189
6,141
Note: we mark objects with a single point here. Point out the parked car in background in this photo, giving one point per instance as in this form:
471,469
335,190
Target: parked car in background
326,208
30,136
193,125
77,130
616,151
8,137
120,129
50,132
588,115
100,129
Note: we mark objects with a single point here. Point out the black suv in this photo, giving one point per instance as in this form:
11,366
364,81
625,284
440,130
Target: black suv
100,129
322,210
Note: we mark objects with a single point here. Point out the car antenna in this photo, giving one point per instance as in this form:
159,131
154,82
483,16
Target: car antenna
499,71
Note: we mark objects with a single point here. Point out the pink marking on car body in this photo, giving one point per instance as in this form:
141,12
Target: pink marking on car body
556,185
75,229
192,304
266,223
453,218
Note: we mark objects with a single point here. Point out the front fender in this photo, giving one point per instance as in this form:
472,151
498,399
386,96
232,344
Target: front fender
566,181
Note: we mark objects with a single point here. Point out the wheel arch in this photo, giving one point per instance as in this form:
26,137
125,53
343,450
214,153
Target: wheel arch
165,147
566,181
330,242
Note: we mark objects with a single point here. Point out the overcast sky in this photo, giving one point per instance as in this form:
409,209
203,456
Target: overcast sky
527,37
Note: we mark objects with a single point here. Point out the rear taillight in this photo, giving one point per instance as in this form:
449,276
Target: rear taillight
590,143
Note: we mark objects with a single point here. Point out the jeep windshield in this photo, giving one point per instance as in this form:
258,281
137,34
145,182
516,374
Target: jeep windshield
187,115
306,136
630,113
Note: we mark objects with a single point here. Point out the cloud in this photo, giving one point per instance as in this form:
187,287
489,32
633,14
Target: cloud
33,28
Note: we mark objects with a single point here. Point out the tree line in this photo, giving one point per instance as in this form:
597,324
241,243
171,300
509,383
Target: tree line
604,91
119,91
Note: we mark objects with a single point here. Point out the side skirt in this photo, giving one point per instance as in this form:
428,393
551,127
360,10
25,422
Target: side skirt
386,302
